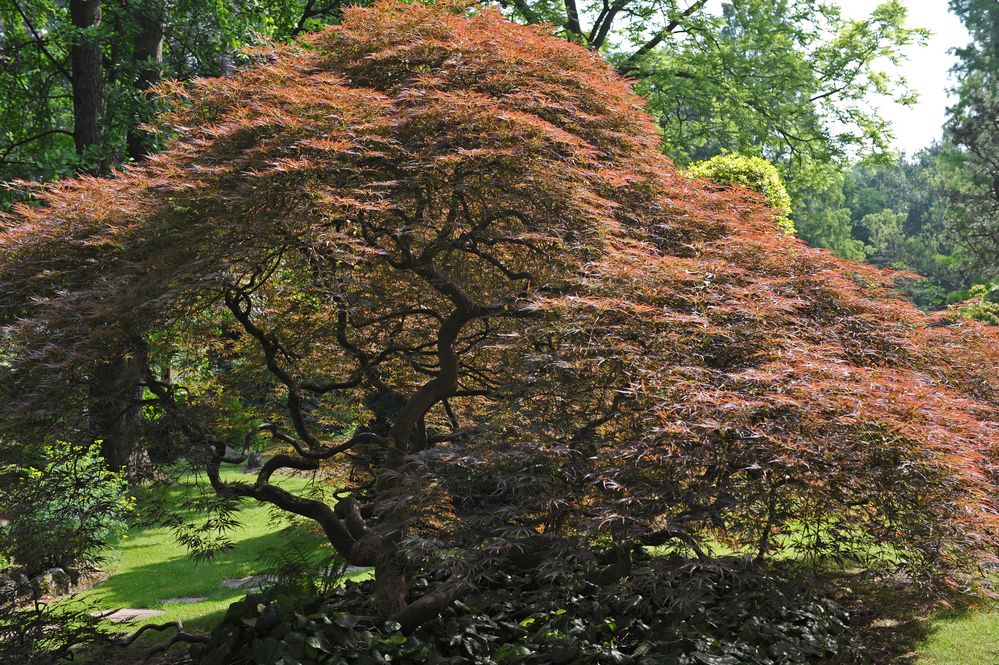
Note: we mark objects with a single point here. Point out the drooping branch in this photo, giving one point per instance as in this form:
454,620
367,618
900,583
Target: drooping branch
336,532
432,603
181,636
239,303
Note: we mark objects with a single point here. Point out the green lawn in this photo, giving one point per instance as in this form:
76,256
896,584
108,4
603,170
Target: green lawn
148,567
962,638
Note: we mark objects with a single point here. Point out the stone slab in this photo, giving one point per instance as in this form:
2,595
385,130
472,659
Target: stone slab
127,614
252,582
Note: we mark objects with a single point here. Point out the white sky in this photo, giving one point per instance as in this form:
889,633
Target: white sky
927,69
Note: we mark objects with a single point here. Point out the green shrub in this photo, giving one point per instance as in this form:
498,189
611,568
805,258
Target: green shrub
42,634
982,304
63,512
755,173
667,613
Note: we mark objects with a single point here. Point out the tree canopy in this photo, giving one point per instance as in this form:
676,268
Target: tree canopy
789,81
74,73
974,182
445,251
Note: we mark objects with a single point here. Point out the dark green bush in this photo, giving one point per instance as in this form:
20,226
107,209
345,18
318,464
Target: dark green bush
669,613
63,512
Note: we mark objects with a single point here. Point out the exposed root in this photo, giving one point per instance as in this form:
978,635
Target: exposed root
181,636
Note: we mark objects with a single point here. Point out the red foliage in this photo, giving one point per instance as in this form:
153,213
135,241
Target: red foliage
471,221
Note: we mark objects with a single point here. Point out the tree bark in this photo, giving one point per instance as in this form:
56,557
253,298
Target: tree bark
115,412
391,584
87,77
147,55
430,605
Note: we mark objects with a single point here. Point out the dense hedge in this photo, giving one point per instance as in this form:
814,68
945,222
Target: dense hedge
667,613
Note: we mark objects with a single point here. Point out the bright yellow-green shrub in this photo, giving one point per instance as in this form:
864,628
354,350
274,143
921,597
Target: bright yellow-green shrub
755,173
981,304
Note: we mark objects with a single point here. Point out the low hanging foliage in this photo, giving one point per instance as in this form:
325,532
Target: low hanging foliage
696,615
444,251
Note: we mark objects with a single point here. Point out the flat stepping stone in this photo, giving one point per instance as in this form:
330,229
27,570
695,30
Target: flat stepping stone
186,599
251,582
127,614
257,581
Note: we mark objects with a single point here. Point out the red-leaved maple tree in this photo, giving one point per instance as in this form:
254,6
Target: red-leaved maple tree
445,251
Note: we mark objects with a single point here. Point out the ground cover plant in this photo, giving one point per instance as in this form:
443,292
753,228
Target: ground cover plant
445,254
42,634
671,613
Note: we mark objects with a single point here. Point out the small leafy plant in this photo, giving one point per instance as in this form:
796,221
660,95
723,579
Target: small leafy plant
62,512
41,634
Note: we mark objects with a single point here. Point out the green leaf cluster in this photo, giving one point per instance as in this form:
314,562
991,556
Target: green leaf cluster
63,511
755,173
982,304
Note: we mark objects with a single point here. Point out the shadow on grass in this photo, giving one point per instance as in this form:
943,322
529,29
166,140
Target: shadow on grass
152,584
892,621
170,584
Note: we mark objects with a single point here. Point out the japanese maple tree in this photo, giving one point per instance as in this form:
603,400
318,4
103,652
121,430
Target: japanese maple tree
444,251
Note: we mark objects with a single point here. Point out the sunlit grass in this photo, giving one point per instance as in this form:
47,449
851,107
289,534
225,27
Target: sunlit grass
962,638
149,568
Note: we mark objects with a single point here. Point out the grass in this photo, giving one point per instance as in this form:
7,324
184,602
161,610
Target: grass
149,567
962,638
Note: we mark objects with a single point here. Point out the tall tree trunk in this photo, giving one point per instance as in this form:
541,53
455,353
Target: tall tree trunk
115,411
147,54
88,83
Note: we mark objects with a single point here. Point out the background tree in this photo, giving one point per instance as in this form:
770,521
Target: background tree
823,219
894,215
974,181
588,352
74,72
788,81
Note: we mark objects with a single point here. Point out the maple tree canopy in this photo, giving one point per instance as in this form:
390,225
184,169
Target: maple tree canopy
445,250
